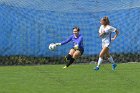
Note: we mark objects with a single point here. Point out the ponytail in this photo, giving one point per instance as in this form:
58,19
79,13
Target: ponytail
106,19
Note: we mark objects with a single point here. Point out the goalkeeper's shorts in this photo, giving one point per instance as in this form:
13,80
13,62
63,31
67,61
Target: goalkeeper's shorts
80,49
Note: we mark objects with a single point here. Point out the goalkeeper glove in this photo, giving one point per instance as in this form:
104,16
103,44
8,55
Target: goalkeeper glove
76,47
58,44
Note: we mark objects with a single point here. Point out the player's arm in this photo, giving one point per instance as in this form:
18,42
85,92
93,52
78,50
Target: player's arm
64,42
115,36
113,29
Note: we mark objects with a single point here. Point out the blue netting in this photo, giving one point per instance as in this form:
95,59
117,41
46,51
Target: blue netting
28,27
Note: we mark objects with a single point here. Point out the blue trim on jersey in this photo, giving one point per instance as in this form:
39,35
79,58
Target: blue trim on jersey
110,37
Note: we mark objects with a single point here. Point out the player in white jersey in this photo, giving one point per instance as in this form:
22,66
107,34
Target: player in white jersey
105,34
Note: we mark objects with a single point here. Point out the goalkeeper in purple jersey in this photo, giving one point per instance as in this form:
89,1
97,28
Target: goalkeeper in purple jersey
77,50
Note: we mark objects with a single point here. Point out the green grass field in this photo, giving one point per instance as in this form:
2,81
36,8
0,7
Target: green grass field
76,79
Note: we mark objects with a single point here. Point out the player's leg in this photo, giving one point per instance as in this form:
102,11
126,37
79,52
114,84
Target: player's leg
109,57
100,60
76,55
69,56
111,60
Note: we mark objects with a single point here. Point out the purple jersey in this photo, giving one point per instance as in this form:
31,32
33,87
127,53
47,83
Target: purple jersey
76,41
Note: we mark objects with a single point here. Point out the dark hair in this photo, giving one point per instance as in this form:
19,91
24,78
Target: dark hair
106,20
77,28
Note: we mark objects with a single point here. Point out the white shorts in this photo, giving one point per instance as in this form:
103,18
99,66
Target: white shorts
104,44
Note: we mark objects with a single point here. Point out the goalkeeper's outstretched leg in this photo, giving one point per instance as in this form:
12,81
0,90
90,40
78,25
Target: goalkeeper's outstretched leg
73,54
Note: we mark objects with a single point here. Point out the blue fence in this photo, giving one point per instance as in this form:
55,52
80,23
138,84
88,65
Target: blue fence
28,32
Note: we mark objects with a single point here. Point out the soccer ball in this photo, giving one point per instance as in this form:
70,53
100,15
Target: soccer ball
52,47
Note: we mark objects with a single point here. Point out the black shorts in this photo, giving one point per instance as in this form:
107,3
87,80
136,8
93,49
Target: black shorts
81,50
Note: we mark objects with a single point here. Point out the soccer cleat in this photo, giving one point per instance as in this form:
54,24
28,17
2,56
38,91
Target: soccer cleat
65,59
114,66
97,68
64,67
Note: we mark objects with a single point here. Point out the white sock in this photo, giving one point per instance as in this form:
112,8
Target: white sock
111,60
99,61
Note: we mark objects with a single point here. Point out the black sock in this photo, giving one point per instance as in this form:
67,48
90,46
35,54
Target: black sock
68,57
70,62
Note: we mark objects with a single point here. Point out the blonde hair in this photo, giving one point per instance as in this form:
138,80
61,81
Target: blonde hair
106,20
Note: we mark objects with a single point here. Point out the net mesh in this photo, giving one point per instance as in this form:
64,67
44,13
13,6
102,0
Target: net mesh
27,27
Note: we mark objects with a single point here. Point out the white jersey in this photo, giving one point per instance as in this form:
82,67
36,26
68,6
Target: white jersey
106,38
